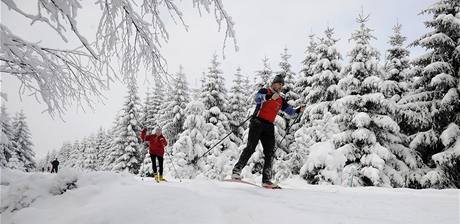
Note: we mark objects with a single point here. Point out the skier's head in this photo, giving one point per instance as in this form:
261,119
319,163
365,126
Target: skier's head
278,83
158,130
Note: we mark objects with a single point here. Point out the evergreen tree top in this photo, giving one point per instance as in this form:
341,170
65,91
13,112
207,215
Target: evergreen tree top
238,81
213,69
397,39
312,44
363,35
285,65
329,38
263,76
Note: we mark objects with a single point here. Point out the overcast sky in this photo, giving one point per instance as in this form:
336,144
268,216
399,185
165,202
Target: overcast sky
263,28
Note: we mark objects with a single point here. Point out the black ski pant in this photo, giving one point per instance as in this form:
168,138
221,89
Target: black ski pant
154,163
54,169
265,132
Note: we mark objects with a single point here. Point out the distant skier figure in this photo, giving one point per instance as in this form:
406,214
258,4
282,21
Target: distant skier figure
268,103
55,165
157,144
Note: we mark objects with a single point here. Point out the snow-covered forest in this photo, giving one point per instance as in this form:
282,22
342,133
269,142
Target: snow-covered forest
386,119
372,118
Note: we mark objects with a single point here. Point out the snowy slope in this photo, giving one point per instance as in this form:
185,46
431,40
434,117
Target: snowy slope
102,197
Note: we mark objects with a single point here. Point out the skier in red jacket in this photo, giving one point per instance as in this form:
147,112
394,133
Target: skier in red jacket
157,144
268,103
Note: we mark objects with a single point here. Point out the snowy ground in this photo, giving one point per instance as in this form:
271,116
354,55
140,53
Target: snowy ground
121,198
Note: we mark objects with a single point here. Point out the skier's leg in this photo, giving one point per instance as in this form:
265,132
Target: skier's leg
160,163
268,143
154,163
253,140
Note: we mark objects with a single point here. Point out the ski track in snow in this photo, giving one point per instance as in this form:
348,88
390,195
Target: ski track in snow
141,200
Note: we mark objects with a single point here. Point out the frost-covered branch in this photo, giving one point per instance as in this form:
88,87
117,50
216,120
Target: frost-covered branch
56,77
129,31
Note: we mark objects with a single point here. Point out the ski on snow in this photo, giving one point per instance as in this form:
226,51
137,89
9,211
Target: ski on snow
249,183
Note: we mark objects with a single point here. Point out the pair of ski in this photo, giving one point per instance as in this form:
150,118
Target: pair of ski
249,183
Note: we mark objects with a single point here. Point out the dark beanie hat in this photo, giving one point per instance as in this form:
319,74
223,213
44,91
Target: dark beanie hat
278,79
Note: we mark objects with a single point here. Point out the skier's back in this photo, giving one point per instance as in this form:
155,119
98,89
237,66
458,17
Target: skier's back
55,165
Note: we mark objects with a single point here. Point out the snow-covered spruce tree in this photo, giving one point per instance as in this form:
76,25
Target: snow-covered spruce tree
6,147
90,162
108,153
325,76
14,162
22,143
323,91
129,31
191,143
370,138
146,108
433,109
63,155
100,144
263,76
214,96
238,108
74,154
82,145
126,148
289,78
397,72
80,154
153,104
215,100
302,86
396,67
172,114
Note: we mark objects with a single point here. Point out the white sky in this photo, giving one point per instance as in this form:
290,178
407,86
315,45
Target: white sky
264,28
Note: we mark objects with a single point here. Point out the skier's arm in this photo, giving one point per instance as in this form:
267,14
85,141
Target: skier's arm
164,142
143,134
289,109
262,96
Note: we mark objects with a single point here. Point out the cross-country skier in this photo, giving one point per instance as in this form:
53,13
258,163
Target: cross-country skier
55,164
157,144
268,103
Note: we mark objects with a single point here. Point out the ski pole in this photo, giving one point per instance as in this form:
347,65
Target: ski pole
174,167
199,157
287,130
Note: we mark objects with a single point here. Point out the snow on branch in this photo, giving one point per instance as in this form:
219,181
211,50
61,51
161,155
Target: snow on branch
58,77
222,17
130,31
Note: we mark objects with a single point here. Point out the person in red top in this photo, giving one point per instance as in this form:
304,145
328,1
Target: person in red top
268,103
157,144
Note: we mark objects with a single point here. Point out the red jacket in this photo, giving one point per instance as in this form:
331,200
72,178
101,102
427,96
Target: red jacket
157,143
267,109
